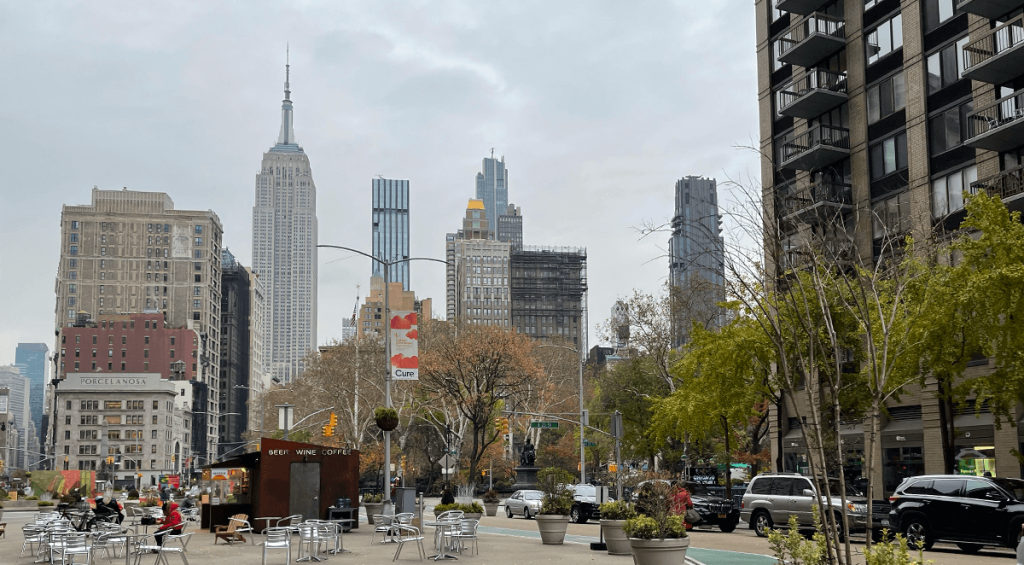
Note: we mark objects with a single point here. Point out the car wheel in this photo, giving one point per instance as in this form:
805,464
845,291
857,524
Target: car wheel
916,532
526,513
1014,537
970,547
574,515
727,526
838,518
762,523
508,511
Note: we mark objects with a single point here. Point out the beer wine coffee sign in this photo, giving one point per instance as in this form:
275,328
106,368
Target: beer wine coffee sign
405,361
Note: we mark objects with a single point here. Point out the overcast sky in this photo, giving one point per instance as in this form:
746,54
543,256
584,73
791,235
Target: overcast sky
598,107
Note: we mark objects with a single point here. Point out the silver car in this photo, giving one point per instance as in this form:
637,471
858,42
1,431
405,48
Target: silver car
771,498
524,502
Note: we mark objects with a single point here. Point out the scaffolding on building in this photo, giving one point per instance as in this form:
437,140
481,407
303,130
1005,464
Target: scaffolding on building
549,293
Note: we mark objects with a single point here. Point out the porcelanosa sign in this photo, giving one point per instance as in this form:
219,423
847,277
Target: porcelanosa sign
120,382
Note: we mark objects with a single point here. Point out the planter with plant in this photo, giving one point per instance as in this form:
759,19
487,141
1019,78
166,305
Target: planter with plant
373,503
1,510
553,518
491,501
657,535
386,418
613,518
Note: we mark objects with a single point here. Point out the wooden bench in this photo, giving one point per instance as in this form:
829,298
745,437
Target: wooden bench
230,532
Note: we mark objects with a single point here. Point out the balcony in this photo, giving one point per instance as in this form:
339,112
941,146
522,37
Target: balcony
1007,185
815,148
998,126
802,7
990,9
816,93
832,248
814,203
997,57
813,39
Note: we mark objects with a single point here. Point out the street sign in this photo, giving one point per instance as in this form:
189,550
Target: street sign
537,424
588,443
448,461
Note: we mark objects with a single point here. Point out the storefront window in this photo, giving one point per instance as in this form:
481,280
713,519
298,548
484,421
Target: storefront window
979,461
900,463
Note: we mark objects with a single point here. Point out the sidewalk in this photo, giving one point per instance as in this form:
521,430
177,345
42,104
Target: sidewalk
499,545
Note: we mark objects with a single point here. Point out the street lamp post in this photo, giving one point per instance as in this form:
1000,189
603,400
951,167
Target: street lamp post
583,424
263,401
387,345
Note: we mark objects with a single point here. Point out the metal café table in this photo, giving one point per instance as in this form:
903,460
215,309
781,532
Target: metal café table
339,545
268,519
439,536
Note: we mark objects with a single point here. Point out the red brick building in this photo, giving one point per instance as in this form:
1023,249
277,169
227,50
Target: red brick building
128,343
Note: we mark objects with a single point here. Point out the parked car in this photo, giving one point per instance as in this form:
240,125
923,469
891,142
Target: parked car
771,498
524,502
971,512
584,506
714,510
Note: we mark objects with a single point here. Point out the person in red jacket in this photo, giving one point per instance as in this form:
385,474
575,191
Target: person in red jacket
170,524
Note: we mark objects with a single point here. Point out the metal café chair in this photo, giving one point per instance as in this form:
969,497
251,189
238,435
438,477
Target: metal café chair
466,532
277,538
291,522
383,524
406,533
34,538
75,544
181,540
328,532
310,539
101,543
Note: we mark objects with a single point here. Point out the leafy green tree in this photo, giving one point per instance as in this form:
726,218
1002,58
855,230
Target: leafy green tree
632,387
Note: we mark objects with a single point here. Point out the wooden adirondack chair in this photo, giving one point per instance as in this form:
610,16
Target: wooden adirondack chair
229,533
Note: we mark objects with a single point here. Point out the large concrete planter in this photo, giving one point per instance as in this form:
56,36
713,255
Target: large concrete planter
472,515
371,509
552,528
669,551
491,508
615,538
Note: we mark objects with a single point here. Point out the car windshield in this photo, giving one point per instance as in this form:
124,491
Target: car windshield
533,495
697,488
585,490
833,487
1013,486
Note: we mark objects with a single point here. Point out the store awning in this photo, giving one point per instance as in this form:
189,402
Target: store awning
898,426
793,433
971,420
246,460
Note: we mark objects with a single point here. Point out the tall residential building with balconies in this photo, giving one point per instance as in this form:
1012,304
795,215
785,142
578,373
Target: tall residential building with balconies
492,188
877,117
478,272
284,239
390,218
696,257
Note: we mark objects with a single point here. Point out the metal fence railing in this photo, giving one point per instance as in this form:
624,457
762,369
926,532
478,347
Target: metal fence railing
997,41
1006,110
815,79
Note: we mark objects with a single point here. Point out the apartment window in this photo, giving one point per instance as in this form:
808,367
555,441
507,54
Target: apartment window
886,97
103,250
145,366
885,39
199,230
197,291
74,238
199,241
149,228
71,301
937,12
948,129
198,254
72,263
73,275
73,250
946,65
72,288
891,216
888,156
74,224
197,266
948,191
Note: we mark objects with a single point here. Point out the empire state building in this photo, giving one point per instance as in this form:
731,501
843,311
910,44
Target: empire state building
284,254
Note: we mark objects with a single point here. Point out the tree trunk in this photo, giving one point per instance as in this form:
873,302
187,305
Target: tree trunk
728,460
869,461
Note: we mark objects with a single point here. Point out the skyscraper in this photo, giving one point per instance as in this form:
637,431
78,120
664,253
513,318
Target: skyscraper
548,288
18,415
284,238
510,226
696,257
391,228
492,188
477,272
30,358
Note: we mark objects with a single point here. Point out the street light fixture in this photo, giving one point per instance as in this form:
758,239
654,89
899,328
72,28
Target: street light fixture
583,424
387,343
263,400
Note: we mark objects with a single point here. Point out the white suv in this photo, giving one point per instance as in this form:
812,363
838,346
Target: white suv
771,498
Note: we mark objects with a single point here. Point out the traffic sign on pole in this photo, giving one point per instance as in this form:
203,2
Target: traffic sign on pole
539,424
588,443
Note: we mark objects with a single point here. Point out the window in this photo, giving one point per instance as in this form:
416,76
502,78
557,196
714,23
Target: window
74,238
74,224
948,191
948,129
198,254
946,65
937,12
891,216
886,97
885,39
868,4
199,230
156,406
888,156
199,241
72,288
73,250
73,275
111,404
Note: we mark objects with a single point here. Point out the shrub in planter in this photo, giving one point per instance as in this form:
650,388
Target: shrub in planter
553,518
491,497
613,519
648,528
133,494
386,418
617,510
45,503
373,498
658,533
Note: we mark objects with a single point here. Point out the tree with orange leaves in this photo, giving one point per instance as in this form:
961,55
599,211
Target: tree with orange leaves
475,368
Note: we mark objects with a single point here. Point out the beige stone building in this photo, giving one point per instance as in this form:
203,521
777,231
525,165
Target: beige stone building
478,272
371,318
130,252
876,117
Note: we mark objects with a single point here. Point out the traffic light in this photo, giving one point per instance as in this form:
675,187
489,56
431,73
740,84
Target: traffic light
110,460
403,461
333,420
504,426
328,431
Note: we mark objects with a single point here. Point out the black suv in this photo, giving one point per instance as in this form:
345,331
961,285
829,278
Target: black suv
971,512
714,510
584,504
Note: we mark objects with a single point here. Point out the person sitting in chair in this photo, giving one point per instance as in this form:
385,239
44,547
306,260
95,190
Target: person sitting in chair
171,524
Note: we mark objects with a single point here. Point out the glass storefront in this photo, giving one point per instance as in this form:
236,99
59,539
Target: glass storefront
900,463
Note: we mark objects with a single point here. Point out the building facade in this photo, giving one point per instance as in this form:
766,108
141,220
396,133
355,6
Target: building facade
373,321
876,118
510,226
235,354
548,290
284,254
131,417
477,272
32,360
390,228
492,188
696,257
19,417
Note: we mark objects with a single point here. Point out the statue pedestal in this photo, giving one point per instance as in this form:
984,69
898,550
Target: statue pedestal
526,477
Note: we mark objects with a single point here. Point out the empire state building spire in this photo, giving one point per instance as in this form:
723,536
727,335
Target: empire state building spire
287,136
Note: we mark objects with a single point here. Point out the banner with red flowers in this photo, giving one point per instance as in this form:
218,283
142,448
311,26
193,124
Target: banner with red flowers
405,362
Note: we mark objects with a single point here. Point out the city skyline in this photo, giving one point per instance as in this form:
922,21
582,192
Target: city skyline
435,108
